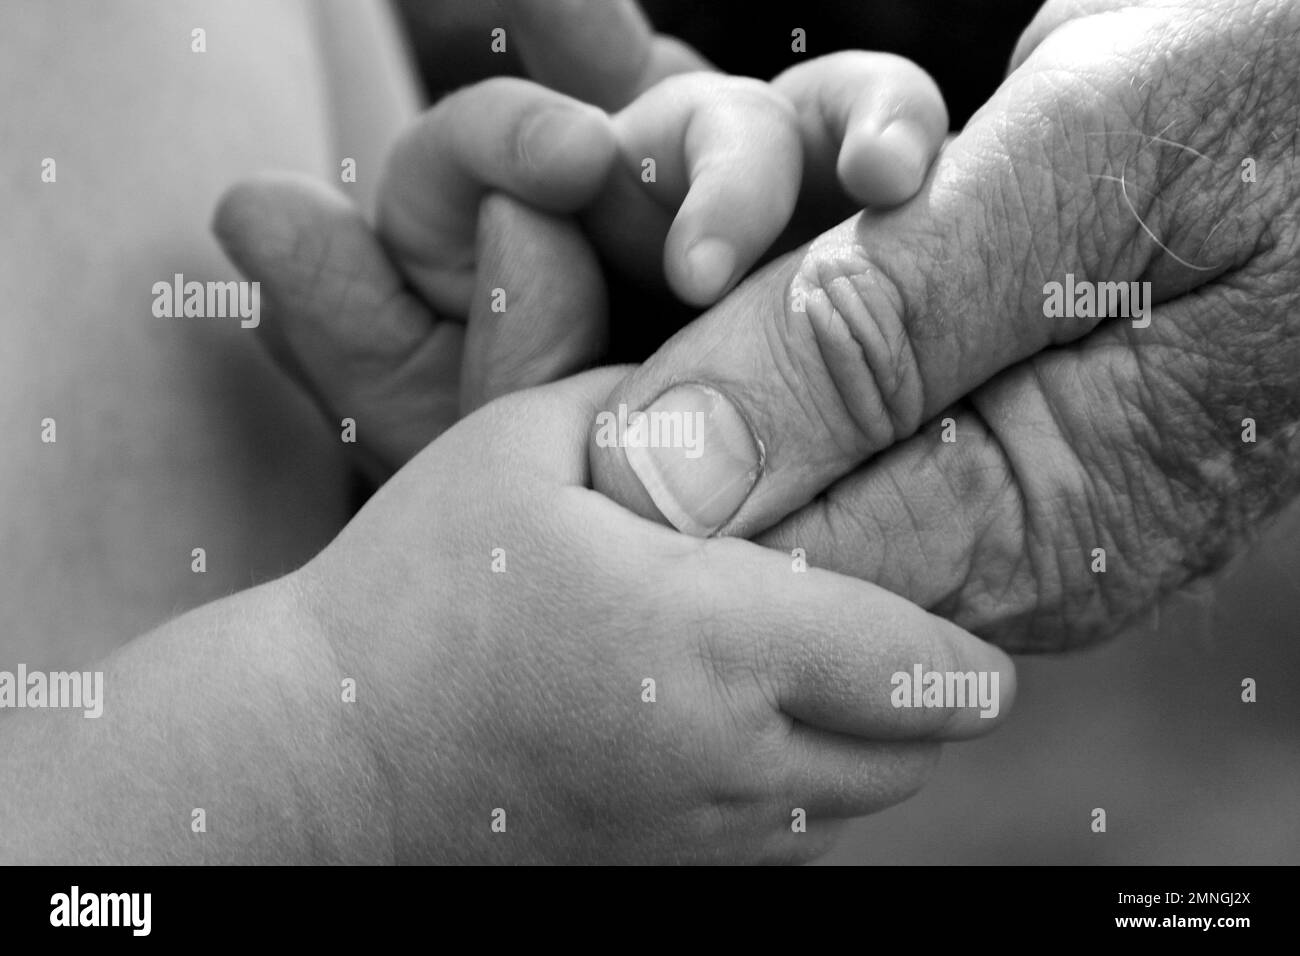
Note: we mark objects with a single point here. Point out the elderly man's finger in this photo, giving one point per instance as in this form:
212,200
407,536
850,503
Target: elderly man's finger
830,355
1054,14
339,316
540,311
1072,492
600,51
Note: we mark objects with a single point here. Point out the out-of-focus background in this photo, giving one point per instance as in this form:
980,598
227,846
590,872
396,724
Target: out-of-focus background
1150,726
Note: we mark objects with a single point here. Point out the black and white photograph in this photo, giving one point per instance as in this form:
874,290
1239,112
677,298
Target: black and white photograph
650,432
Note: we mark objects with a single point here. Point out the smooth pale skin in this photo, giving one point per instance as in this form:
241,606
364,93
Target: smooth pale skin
172,435
520,690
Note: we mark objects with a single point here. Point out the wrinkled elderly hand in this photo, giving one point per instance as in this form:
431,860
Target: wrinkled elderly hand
1151,144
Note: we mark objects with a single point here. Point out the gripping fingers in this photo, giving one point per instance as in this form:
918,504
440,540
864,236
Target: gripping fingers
910,676
842,655
727,156
835,775
842,690
537,145
556,322
343,324
877,119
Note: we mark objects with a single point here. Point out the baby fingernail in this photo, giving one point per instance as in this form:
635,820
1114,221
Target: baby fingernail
560,133
910,146
710,263
695,455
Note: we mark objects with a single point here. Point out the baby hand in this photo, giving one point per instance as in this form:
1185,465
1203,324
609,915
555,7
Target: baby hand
707,168
712,166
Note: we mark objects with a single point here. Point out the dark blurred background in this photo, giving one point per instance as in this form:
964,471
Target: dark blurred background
964,44
1150,726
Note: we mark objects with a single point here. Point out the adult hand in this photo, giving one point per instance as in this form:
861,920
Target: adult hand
1150,143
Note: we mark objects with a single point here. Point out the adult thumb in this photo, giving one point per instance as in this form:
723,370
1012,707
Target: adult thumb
833,353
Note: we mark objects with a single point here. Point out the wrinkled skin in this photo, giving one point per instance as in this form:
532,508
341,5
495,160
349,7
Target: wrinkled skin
1127,439
1114,126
